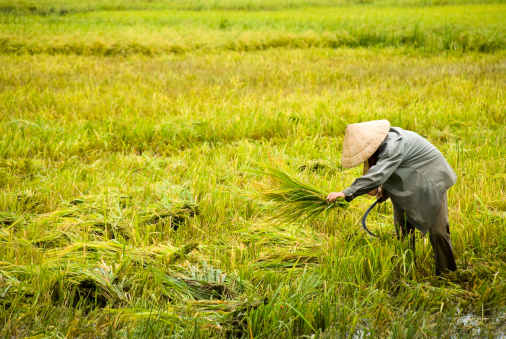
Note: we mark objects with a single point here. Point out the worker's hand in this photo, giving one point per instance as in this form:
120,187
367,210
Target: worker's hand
382,195
335,195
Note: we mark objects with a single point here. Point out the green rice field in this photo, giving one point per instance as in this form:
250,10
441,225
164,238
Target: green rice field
132,134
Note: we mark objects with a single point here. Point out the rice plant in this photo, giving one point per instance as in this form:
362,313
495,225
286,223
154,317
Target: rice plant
294,200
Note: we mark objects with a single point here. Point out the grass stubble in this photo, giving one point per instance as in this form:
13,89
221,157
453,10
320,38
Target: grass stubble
120,213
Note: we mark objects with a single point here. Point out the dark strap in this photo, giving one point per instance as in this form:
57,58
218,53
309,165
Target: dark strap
365,217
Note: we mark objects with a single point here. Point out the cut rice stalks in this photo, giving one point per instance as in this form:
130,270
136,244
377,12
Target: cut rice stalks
286,261
296,200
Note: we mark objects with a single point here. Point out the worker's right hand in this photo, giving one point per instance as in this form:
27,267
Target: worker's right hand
335,195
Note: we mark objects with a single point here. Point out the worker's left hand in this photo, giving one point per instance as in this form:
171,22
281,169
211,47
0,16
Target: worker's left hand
382,195
335,195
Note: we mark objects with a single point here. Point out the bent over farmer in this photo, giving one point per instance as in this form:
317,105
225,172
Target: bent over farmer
407,168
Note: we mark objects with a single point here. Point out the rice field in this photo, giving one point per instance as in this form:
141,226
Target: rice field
132,134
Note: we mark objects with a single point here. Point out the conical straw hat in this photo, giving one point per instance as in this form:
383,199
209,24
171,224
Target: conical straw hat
362,140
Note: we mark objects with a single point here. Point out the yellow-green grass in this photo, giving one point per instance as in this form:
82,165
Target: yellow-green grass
461,28
64,7
120,181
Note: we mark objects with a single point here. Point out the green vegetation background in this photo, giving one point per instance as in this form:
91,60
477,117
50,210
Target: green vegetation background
127,127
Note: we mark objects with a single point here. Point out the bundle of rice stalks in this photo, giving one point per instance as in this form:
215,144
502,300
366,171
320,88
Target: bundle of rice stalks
101,215
296,200
287,236
283,260
7,218
77,251
203,285
98,286
226,317
132,316
173,214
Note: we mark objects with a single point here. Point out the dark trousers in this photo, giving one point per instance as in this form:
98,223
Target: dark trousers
439,235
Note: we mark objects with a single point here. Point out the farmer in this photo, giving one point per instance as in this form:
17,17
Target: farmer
407,168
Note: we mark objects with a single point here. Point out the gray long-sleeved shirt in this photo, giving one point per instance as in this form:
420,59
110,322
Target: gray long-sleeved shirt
413,172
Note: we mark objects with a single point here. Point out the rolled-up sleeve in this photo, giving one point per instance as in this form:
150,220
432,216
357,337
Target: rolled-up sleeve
388,162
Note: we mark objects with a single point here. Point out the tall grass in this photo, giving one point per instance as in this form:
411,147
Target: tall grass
454,29
66,7
119,211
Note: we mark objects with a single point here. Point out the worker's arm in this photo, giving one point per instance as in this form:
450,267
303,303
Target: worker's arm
377,175
388,161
